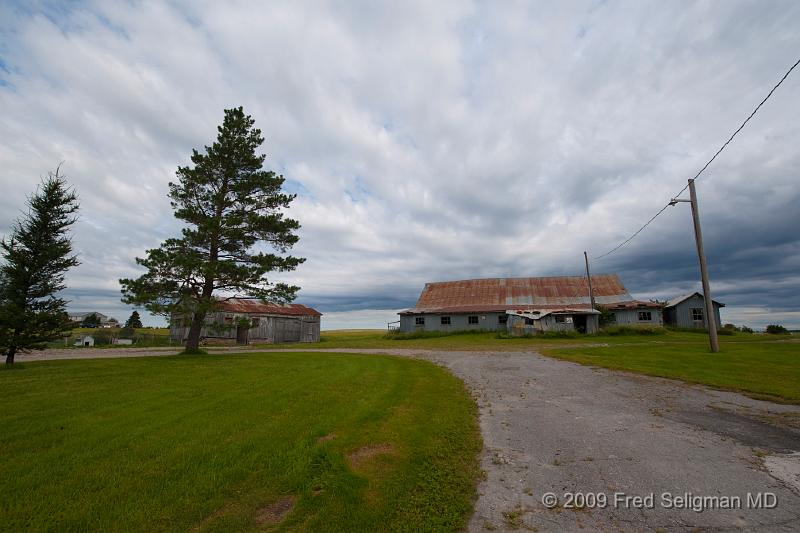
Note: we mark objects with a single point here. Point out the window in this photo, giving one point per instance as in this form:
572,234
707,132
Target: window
697,314
255,322
528,321
228,320
502,319
560,319
420,321
645,316
445,320
472,320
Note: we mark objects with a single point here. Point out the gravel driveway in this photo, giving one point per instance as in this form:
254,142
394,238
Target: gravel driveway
607,437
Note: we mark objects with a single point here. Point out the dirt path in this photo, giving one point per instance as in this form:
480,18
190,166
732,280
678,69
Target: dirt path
552,426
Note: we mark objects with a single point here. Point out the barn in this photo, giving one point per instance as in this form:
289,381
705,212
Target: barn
250,320
516,305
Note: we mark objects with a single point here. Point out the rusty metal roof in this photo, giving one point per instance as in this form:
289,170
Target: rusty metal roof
256,306
500,294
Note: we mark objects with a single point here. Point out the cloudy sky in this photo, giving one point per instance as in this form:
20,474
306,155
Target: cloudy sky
426,141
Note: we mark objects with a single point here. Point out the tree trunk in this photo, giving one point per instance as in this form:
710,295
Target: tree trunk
193,339
10,356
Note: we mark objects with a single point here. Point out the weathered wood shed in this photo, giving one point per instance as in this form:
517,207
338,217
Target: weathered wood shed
249,320
688,311
637,312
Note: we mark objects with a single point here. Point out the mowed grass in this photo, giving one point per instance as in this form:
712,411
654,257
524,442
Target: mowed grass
765,370
211,443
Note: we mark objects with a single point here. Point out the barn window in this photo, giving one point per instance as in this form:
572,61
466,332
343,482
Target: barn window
560,318
419,321
256,321
445,320
528,321
645,316
502,319
228,320
697,313
472,320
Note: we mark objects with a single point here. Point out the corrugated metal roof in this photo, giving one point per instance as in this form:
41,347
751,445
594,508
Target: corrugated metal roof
500,294
255,306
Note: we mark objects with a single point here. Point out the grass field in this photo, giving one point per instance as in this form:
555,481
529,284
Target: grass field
767,370
308,442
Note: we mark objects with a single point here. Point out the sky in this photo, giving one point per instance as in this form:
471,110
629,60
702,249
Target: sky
426,141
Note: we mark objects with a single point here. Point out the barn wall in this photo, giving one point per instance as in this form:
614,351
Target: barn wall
458,322
631,316
270,329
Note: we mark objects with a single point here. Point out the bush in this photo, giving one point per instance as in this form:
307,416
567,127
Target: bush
745,329
633,329
606,317
776,329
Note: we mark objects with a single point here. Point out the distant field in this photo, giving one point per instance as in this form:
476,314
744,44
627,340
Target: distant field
143,337
285,442
376,338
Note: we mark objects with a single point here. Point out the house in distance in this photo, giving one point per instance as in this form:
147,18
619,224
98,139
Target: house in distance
246,320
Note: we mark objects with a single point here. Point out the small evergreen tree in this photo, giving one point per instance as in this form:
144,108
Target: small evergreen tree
35,259
776,329
607,316
229,204
134,321
91,321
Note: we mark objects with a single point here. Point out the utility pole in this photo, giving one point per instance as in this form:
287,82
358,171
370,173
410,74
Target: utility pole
589,278
711,321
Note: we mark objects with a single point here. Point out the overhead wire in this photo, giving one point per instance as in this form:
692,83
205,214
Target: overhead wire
725,144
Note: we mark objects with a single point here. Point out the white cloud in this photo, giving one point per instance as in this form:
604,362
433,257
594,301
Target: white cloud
427,141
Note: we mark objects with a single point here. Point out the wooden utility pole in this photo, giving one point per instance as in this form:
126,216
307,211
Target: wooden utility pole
589,278
711,320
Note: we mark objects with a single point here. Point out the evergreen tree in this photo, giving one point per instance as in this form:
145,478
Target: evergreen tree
91,321
134,321
35,259
229,204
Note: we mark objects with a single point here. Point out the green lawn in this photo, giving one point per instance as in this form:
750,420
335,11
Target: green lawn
211,443
767,370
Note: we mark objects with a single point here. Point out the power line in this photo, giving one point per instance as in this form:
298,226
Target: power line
629,239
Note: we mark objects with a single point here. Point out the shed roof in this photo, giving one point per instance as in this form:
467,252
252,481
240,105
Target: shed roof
500,294
256,306
678,299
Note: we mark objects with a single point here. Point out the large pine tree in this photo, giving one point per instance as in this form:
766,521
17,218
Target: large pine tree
230,205
35,259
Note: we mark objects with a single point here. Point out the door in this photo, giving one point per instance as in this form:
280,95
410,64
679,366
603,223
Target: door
241,335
